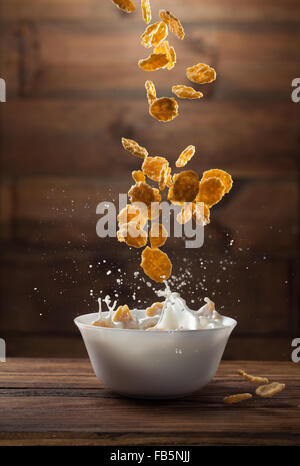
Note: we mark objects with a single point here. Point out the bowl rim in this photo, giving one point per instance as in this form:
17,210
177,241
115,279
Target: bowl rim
79,324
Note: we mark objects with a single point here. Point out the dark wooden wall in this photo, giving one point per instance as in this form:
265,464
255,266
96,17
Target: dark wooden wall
73,90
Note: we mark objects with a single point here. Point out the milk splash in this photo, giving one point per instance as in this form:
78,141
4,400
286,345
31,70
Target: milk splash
174,315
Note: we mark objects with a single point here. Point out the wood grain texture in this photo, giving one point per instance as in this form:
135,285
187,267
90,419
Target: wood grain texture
54,62
61,402
83,137
227,10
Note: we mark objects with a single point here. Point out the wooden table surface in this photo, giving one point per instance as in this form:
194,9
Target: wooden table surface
61,402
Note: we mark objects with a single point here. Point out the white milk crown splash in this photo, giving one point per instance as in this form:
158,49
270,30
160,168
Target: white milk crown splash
174,315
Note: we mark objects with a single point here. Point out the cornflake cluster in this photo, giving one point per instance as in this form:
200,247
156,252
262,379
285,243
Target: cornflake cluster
163,56
265,391
195,197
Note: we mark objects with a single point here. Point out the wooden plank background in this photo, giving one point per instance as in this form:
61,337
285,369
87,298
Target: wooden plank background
73,90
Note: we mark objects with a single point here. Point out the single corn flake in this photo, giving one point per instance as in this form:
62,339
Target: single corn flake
165,48
142,192
154,310
152,167
185,92
125,5
101,323
173,23
151,91
224,177
127,214
138,175
186,213
164,177
154,34
146,199
158,235
267,391
201,213
156,264
237,398
123,315
154,62
173,58
201,74
132,235
146,10
164,109
211,191
185,156
134,148
185,187
252,378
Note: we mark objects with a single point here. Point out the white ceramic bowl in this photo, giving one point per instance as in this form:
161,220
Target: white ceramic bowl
155,364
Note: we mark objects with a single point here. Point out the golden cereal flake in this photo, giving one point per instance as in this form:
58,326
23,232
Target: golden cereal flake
142,192
211,191
201,74
127,214
201,213
224,177
152,167
185,187
164,177
154,34
156,264
125,5
154,310
132,235
146,10
158,235
138,175
185,156
151,91
164,109
237,398
134,148
253,378
123,315
101,323
165,48
173,58
185,92
154,62
173,23
267,391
